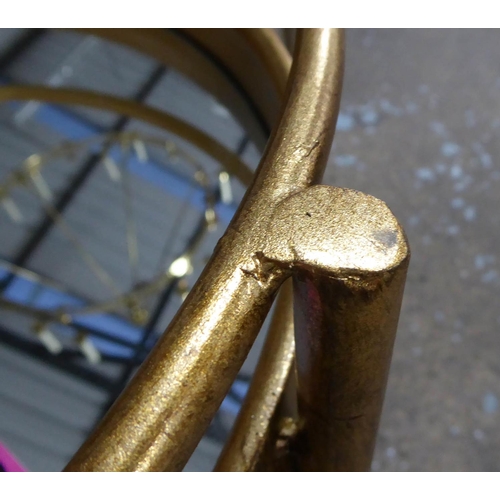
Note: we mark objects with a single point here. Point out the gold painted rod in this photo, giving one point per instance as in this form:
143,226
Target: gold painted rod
252,430
344,333
251,435
277,60
163,413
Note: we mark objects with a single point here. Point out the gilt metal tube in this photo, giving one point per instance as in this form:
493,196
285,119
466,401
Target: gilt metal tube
346,315
161,416
252,431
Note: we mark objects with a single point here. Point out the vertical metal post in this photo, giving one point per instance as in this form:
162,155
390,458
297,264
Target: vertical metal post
344,333
349,258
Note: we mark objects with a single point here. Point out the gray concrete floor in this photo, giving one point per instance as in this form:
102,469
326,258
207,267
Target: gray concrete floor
420,129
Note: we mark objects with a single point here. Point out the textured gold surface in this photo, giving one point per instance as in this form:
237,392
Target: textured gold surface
163,413
348,258
252,437
335,231
251,431
351,258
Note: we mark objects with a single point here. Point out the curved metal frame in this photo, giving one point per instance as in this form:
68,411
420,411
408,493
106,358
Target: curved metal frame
344,251
348,257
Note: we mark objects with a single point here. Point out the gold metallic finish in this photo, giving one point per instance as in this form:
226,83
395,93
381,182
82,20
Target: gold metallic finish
350,258
159,419
160,119
250,445
251,431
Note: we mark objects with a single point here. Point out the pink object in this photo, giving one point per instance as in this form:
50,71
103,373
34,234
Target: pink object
8,463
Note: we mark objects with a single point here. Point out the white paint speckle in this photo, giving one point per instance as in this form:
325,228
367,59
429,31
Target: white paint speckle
345,160
369,116
391,452
480,261
490,276
413,220
387,107
456,171
345,122
438,128
425,174
490,403
486,160
484,157
457,203
449,149
478,435
455,430
470,214
453,230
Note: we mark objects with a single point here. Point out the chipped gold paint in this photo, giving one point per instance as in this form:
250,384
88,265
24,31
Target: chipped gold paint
347,256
